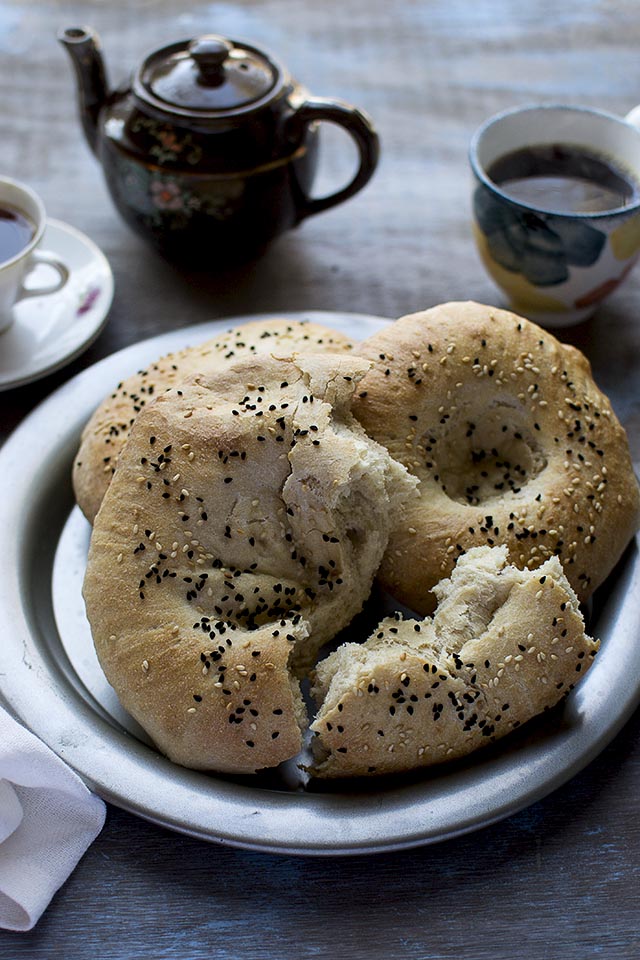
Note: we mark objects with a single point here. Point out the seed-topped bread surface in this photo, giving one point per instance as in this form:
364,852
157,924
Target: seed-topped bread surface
242,530
512,442
106,432
503,645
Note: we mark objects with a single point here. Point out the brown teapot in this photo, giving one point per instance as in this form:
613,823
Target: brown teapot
211,150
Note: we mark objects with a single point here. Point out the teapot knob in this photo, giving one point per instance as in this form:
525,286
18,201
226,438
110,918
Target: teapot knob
210,53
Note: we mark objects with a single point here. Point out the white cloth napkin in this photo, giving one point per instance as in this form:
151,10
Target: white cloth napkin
48,819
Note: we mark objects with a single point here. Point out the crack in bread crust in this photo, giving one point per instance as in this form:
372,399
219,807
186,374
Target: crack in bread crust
108,429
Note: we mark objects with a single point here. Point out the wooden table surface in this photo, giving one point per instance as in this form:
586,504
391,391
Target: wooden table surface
559,879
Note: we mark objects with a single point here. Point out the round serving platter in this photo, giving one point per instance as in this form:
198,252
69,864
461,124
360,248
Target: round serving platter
50,679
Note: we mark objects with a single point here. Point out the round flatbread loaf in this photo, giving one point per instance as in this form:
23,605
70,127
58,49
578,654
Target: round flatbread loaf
106,432
503,645
512,442
242,530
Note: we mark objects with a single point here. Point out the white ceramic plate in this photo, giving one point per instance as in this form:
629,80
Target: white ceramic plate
50,679
51,331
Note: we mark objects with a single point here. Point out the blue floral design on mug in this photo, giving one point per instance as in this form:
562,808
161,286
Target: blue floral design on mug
541,247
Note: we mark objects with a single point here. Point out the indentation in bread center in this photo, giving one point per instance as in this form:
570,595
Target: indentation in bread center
480,454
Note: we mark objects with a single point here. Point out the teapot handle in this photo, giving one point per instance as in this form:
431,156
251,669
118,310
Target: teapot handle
357,125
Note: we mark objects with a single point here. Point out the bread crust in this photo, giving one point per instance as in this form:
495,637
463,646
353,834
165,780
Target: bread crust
512,443
242,529
106,432
503,646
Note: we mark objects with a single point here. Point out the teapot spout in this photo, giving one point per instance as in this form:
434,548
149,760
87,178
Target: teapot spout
83,46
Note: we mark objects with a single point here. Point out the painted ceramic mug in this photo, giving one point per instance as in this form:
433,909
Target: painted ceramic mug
554,264
21,256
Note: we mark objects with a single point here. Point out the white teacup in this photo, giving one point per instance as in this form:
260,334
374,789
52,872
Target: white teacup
18,199
556,264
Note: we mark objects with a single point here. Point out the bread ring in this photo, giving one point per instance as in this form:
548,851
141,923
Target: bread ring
242,529
106,432
503,646
512,442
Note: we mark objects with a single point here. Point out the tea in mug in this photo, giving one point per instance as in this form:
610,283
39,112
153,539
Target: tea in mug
563,178
16,232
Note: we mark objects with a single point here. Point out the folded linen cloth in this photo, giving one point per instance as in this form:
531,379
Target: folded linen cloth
48,819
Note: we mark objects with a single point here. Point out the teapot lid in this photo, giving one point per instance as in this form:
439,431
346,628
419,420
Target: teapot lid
206,77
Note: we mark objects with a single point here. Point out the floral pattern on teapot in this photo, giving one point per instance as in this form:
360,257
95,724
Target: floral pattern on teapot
167,200
167,146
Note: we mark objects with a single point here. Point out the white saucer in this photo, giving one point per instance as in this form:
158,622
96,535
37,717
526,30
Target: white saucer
52,330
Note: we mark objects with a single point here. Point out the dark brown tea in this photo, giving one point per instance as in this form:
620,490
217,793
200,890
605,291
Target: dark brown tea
563,178
16,232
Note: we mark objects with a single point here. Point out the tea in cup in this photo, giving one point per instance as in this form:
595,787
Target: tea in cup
22,225
556,207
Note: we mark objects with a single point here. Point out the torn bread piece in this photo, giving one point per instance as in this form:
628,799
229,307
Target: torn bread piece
502,646
241,531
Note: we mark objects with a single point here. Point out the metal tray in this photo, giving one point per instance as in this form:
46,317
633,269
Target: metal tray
50,679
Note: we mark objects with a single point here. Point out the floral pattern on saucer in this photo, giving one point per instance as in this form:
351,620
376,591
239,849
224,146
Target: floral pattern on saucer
51,330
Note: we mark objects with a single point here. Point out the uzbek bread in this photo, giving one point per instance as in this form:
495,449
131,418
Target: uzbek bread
242,529
512,442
